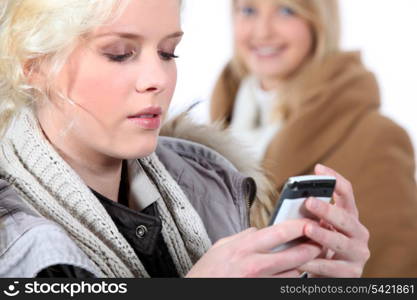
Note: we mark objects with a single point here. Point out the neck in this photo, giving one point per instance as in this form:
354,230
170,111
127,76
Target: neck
98,171
270,84
103,177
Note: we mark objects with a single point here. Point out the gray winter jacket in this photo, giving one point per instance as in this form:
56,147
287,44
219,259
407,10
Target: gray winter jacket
219,193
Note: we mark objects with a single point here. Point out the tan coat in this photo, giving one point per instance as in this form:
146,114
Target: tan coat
339,125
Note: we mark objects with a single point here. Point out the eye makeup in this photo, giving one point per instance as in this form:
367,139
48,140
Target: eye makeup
122,50
119,51
167,55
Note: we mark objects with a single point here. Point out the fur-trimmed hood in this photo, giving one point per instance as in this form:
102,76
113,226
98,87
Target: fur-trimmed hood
221,141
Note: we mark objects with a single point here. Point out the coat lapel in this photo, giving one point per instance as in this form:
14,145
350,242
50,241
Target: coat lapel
322,121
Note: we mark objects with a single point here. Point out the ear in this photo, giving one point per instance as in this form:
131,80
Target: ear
32,72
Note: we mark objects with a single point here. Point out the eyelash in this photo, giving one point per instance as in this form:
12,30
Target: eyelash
166,56
119,58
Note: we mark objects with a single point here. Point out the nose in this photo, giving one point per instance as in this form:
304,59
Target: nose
263,28
153,76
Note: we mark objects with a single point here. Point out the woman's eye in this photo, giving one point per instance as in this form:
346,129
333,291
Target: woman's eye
167,55
247,11
286,11
119,57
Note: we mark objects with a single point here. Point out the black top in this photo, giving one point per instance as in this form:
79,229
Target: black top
142,230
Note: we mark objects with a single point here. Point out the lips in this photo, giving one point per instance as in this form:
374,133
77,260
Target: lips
148,113
146,116
149,119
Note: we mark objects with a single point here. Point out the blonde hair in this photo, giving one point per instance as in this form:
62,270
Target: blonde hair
36,32
324,20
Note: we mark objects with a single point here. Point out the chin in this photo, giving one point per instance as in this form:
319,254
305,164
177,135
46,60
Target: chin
138,150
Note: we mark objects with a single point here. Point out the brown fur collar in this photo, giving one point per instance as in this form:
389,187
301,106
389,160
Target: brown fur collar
222,142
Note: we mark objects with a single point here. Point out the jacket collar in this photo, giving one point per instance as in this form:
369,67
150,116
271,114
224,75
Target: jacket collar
324,119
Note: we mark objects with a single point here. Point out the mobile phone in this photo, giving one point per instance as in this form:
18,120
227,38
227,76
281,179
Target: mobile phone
291,202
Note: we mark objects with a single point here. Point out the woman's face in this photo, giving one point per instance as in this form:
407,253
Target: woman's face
121,80
271,39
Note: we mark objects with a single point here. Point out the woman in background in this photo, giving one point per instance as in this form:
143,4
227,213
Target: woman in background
293,96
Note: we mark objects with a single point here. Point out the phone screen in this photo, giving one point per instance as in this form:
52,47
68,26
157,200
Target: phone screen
296,191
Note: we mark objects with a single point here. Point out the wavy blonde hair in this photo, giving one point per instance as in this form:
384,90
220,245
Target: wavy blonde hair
38,32
324,20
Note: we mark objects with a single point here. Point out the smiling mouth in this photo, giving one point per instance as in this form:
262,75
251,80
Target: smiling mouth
268,51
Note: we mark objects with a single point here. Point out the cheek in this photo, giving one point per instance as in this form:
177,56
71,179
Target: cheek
302,38
173,75
171,83
241,32
100,90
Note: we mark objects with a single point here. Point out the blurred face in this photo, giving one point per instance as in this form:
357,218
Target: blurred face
271,39
121,80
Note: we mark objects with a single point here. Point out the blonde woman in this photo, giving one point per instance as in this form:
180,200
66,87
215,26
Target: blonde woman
89,190
298,100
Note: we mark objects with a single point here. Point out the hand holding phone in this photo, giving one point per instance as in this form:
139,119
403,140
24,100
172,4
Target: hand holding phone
295,192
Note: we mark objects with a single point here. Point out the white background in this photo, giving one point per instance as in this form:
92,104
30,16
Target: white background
384,30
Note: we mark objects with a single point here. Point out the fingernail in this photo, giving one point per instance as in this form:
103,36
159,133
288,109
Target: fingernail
309,229
320,168
313,204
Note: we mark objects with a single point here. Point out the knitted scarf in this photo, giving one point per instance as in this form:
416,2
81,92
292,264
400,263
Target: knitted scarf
252,121
49,185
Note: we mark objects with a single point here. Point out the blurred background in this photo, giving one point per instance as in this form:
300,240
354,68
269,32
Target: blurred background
385,31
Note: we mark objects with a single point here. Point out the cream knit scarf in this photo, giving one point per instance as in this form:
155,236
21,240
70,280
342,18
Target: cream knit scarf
49,185
252,123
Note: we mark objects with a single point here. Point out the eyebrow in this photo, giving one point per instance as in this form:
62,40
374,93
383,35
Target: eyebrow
130,35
